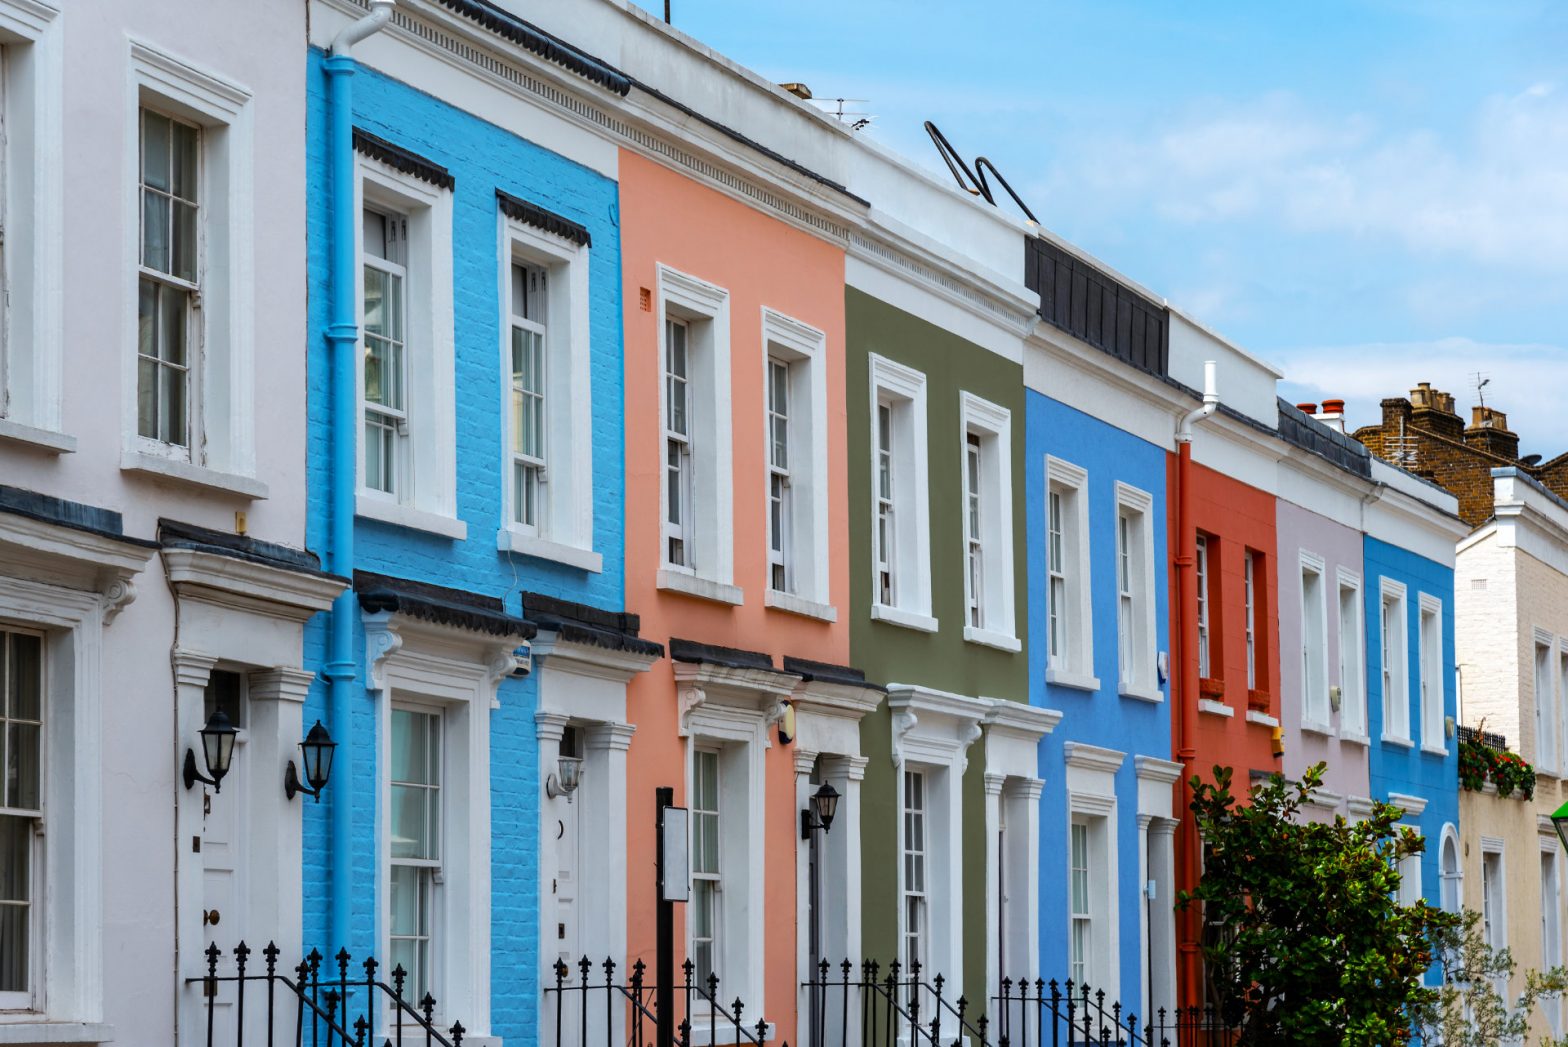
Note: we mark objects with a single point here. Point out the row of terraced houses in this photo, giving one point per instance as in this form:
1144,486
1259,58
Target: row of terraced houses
715,548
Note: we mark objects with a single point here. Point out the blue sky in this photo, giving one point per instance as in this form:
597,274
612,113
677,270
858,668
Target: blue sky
1367,194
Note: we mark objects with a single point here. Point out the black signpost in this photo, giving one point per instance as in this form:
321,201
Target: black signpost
674,885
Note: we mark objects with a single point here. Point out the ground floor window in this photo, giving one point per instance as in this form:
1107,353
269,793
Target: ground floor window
415,876
21,813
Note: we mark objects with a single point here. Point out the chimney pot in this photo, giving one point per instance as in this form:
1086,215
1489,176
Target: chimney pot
1333,407
1307,408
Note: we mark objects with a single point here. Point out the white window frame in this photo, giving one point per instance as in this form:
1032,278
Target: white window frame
564,533
32,219
1073,664
428,500
1433,679
915,854
1494,899
1545,667
992,424
1136,652
1080,967
432,668
1552,923
1201,573
1560,677
1316,710
1451,895
807,554
1352,657
716,877
1091,801
1249,580
221,447
1395,673
434,931
1409,879
38,880
710,568
903,389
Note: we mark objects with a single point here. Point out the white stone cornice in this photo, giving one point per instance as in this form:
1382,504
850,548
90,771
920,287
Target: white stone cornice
191,668
1093,757
279,684
1154,769
550,726
935,722
994,783
851,767
829,698
744,691
805,760
1020,719
59,555
1359,807
613,736
1411,805
589,659
1324,799
234,582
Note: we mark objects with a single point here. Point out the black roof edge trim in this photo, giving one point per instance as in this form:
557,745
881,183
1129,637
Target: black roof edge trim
401,159
180,535
536,605
78,516
713,654
826,672
541,43
438,604
542,219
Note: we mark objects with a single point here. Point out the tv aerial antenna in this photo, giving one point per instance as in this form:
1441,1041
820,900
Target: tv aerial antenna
856,119
1482,380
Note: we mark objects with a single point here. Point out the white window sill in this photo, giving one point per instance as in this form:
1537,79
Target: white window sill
796,605
1139,692
989,638
908,619
676,581
1253,716
367,507
1354,736
1313,727
1394,739
46,440
1434,750
510,541
134,461
1068,678
1213,708
29,1031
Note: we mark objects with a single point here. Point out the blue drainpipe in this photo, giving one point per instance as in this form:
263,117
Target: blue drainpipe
343,340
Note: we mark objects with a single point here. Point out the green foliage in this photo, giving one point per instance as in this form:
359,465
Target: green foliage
1472,1009
1306,942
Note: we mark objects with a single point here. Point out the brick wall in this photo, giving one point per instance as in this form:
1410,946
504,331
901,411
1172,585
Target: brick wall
1425,434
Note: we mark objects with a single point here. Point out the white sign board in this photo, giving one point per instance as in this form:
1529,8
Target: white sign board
674,846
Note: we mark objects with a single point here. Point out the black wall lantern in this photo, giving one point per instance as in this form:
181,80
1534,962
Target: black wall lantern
316,752
217,747
824,807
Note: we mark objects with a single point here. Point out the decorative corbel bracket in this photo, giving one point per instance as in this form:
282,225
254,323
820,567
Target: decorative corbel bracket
971,735
382,641
690,696
904,721
116,596
508,660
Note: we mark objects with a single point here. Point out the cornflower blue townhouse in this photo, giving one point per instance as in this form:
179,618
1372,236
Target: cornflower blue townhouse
465,469
1414,754
1098,431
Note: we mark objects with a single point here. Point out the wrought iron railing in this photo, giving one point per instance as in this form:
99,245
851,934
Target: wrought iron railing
309,1009
1068,1014
588,1009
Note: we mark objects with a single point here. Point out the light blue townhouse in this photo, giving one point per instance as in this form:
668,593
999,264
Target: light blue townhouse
1411,531
465,470
1099,425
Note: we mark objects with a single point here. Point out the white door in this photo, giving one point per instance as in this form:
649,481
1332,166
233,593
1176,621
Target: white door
225,890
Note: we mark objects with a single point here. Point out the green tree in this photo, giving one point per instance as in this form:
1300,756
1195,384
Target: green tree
1306,941
1473,1009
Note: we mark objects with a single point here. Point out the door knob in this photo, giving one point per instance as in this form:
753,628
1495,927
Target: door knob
209,916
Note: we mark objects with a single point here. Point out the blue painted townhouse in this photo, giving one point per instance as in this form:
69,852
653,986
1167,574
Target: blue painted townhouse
465,470
1099,426
1411,531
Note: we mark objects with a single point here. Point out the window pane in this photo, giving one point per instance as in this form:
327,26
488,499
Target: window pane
172,426
155,150
183,143
23,745
171,325
408,747
405,907
155,231
15,893
25,701
184,247
16,850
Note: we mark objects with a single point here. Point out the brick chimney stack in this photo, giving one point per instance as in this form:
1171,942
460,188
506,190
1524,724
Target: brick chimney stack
1433,410
1489,431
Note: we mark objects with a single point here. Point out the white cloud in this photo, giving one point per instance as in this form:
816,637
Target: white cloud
1527,380
1494,192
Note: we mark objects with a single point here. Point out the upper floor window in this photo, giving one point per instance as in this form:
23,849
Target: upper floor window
1431,661
1205,665
1395,653
1250,612
1135,587
1545,705
385,380
901,536
795,412
1314,643
697,536
987,523
407,391
1352,659
189,399
21,819
1069,628
547,423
